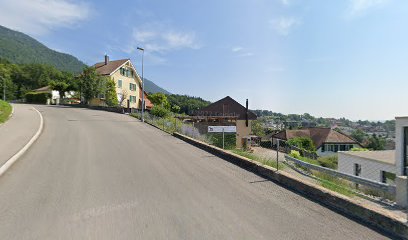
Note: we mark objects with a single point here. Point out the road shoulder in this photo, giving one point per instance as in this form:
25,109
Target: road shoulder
18,134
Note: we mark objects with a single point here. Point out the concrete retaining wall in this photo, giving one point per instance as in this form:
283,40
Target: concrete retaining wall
335,201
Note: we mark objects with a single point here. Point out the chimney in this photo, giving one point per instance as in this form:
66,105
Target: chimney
106,59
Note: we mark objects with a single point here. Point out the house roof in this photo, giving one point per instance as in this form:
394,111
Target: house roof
107,69
226,107
148,103
386,156
43,89
318,136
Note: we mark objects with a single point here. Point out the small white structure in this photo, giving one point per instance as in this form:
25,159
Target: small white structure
401,145
378,166
401,159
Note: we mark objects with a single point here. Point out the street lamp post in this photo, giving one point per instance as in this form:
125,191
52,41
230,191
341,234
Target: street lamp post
143,100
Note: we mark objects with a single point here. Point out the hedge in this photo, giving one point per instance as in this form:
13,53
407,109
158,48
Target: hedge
34,97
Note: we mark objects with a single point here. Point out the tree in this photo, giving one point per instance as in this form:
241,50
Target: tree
110,96
258,128
375,143
6,82
91,84
186,103
175,109
305,143
61,87
359,135
159,99
124,94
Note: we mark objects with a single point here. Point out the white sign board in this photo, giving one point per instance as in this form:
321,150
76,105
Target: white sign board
220,129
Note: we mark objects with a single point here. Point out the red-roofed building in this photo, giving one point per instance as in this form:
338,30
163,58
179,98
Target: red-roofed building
327,141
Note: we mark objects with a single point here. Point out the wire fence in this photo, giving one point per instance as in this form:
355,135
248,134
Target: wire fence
321,170
355,177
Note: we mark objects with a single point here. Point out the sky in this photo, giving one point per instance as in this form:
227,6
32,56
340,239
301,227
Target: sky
337,58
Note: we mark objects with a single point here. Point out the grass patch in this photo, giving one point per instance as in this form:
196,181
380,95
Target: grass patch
335,184
264,161
5,111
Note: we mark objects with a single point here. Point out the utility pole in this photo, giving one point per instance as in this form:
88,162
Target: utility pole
143,101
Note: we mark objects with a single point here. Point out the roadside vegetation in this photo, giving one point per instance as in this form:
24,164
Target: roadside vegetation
5,111
264,161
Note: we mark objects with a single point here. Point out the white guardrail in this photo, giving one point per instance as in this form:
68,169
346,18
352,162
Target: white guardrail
359,180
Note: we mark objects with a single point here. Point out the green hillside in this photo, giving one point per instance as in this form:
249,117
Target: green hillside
151,87
20,48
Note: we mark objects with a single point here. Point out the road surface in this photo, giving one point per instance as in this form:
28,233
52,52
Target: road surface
100,175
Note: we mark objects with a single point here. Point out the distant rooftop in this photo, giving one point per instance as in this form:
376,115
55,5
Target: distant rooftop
387,156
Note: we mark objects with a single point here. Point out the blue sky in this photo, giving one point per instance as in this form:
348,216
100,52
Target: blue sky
337,58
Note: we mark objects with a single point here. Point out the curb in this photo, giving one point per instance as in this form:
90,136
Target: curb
16,156
330,199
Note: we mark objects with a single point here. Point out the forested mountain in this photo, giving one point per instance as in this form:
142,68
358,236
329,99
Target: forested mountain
20,48
151,87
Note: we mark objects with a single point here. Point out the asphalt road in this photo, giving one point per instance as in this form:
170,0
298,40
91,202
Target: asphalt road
100,175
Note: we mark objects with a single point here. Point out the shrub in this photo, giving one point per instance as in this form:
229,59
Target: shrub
305,143
229,140
295,154
160,111
34,97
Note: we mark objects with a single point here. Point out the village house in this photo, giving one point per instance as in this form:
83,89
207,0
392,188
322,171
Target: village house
327,141
226,112
127,81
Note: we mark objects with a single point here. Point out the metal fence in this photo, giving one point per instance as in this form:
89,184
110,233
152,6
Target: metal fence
308,164
353,180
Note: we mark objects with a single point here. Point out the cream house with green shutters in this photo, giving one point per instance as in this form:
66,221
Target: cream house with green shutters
127,81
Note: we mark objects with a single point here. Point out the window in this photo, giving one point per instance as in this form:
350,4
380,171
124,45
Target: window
342,147
357,169
132,99
323,148
119,83
132,87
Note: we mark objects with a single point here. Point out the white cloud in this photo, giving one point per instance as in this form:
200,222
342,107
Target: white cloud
358,7
241,51
236,49
161,41
38,17
284,25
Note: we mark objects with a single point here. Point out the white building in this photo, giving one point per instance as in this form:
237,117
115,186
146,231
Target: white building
375,165
401,145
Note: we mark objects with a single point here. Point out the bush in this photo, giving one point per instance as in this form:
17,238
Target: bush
305,143
229,140
34,97
295,154
160,111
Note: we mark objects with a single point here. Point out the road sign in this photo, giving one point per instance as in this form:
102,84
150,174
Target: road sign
219,129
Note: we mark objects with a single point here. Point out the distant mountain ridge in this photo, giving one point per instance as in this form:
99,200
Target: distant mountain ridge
20,48
151,87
